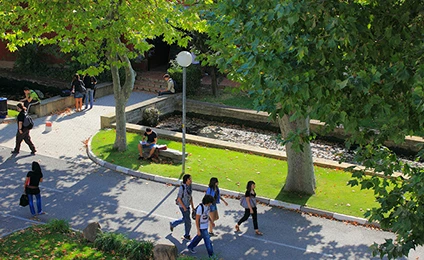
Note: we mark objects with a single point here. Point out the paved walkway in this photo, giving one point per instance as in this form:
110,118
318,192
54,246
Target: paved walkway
80,191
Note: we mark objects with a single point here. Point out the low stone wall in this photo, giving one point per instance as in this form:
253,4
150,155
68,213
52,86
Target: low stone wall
57,103
134,113
170,104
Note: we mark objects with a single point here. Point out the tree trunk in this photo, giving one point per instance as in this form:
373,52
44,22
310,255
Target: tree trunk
122,94
214,82
300,177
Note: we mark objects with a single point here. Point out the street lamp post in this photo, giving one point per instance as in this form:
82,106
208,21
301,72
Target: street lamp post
184,59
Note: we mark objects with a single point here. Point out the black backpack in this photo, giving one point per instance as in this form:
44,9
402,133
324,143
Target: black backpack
193,214
177,87
28,122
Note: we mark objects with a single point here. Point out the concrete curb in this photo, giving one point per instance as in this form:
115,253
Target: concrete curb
201,187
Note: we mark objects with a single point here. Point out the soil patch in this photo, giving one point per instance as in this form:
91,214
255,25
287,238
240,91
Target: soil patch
12,85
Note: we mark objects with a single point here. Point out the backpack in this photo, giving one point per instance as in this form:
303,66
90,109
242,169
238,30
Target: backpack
28,122
177,87
39,93
82,88
176,200
193,214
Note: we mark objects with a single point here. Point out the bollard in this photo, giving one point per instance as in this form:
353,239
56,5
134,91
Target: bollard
48,126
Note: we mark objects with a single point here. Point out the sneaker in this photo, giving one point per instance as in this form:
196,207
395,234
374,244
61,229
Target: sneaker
33,152
191,250
171,227
42,213
188,238
140,157
14,152
211,234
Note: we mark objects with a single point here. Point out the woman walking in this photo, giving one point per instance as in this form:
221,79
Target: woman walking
32,181
250,208
213,190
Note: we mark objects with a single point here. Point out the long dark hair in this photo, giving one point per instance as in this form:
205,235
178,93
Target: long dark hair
36,167
212,182
249,186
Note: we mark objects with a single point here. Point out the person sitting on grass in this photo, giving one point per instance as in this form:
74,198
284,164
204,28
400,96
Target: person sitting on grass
152,139
31,97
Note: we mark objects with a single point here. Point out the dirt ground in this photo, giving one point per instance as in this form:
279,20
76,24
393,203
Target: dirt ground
14,90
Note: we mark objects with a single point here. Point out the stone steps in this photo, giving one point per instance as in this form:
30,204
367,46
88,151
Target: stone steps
149,84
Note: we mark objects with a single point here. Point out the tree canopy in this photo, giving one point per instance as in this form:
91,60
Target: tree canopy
358,64
104,34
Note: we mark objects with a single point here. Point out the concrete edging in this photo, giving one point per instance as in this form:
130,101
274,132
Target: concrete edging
201,187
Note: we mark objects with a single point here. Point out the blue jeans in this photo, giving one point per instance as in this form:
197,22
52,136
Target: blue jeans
31,203
206,238
89,97
185,219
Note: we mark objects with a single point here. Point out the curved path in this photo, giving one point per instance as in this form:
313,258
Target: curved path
80,191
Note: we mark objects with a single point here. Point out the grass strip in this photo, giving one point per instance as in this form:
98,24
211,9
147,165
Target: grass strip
41,242
233,170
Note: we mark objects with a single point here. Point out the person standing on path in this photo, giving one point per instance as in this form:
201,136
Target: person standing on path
90,83
202,221
184,200
250,208
78,91
23,132
213,190
31,188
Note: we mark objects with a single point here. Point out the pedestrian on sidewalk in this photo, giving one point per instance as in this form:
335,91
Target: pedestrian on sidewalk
184,200
90,83
250,208
213,190
31,188
202,222
78,90
23,132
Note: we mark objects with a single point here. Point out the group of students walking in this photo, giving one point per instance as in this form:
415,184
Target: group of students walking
206,213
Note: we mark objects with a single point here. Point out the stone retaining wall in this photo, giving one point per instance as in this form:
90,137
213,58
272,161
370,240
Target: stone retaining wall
58,103
171,103
134,113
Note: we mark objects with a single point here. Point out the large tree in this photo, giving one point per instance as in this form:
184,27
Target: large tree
104,34
353,63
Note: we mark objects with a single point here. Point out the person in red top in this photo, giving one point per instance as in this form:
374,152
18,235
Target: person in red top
31,188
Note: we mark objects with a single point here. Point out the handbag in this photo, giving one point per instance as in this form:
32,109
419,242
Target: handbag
243,202
23,201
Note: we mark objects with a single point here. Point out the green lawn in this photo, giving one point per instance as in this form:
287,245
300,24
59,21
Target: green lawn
229,97
234,169
12,113
42,242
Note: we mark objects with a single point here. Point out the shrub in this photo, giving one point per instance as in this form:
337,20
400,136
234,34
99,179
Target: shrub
109,242
58,225
150,117
132,249
138,250
194,76
30,59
